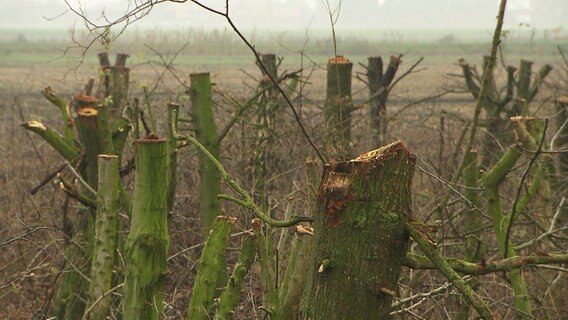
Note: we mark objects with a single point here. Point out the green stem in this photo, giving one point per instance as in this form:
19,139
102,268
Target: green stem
206,134
230,296
473,268
210,266
106,225
63,106
444,267
248,201
148,239
267,267
55,140
481,100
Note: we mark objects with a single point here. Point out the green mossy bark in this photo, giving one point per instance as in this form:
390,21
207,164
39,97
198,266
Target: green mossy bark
206,134
106,226
301,252
267,262
64,109
68,151
474,247
339,105
500,221
431,251
148,240
360,237
472,268
98,133
267,106
528,131
294,280
72,293
561,143
173,113
211,265
230,297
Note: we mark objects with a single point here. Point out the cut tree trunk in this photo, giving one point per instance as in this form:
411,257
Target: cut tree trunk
211,264
497,104
339,105
206,134
301,252
230,297
360,237
72,292
147,244
378,83
106,225
114,82
267,106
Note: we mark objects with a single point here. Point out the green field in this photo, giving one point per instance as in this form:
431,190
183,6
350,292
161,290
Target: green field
223,48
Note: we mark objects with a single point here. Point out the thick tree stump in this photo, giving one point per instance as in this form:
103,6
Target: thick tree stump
148,240
360,239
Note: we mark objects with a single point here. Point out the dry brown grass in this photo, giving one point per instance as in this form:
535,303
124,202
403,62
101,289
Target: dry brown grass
31,230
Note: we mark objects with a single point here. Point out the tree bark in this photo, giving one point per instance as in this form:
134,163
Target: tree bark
114,82
147,243
267,106
206,134
106,225
339,105
378,83
72,293
211,264
528,131
230,296
360,237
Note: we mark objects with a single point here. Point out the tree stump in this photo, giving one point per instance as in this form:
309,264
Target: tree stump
360,238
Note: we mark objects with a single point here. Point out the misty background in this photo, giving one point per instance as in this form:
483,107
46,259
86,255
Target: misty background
295,15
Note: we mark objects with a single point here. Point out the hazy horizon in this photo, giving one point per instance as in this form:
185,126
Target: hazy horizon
296,15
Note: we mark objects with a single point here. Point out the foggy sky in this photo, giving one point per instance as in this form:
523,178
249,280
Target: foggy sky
297,14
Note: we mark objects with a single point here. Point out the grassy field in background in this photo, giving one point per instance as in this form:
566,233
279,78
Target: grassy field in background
223,48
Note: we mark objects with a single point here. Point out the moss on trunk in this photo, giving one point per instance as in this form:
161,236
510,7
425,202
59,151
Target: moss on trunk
206,134
147,244
360,238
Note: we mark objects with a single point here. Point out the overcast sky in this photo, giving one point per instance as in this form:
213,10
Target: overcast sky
298,14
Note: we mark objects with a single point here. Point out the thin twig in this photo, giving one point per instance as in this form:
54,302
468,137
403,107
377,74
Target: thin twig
271,77
80,179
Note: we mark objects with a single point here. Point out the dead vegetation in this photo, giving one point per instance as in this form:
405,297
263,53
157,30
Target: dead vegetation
32,233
